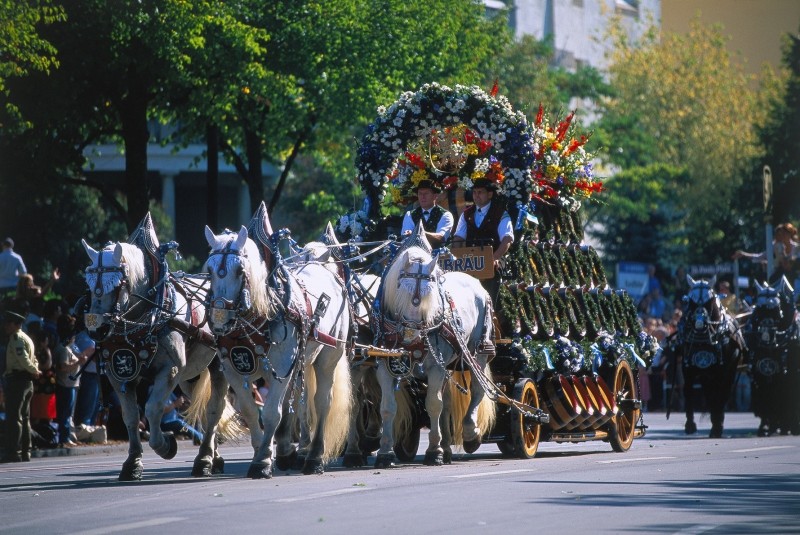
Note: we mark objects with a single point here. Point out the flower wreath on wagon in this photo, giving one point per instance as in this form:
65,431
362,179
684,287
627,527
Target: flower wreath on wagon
451,136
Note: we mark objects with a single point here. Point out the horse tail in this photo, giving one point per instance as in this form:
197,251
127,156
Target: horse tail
229,426
200,396
459,403
337,424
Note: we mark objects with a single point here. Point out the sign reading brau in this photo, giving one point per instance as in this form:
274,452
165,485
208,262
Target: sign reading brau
475,261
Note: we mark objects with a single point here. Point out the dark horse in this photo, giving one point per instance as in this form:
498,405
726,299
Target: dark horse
773,356
710,344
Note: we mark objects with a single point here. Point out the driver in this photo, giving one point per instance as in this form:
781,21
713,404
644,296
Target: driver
436,221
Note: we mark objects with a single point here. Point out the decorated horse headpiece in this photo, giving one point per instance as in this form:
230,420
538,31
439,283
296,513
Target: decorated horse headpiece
420,272
700,291
259,229
108,271
777,296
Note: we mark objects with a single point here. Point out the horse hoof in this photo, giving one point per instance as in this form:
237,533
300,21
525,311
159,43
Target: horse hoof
433,458
353,460
313,468
284,463
172,447
218,465
131,470
261,470
716,432
299,462
471,446
385,460
690,428
202,468
447,457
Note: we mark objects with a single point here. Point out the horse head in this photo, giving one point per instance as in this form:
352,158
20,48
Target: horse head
238,279
702,304
115,273
775,304
411,279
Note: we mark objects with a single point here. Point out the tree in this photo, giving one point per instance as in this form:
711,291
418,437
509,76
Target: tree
682,101
781,136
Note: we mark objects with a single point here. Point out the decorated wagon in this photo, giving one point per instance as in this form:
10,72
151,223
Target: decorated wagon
567,348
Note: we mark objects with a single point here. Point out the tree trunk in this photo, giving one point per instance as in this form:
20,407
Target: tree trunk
255,178
133,112
212,175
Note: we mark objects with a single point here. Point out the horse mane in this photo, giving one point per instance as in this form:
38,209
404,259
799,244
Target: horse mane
133,258
397,294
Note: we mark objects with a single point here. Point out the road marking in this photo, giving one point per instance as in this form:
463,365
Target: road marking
483,474
694,530
116,528
307,497
633,459
765,448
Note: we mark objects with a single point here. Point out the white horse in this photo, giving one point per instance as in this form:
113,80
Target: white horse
145,325
365,419
285,330
437,317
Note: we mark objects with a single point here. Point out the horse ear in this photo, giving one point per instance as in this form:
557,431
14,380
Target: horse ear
89,251
713,281
330,235
118,253
432,265
690,280
759,288
211,238
241,238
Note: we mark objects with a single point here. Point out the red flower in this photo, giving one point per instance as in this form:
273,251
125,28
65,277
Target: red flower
539,115
450,181
563,126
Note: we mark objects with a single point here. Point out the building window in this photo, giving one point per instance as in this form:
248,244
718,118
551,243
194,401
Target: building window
628,7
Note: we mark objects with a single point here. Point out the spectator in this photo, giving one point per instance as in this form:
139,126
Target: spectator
680,286
727,298
43,403
69,359
21,371
785,250
88,403
11,268
173,422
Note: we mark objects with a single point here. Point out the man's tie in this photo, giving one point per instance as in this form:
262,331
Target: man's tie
425,214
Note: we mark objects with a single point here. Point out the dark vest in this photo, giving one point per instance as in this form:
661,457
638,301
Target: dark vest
487,232
434,217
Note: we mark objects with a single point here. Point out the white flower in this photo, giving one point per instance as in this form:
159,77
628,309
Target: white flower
381,110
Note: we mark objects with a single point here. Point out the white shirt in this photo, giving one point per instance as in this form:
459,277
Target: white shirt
504,227
445,223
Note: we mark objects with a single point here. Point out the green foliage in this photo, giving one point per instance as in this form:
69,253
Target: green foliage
682,101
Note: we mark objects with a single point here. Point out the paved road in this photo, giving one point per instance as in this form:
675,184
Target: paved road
666,483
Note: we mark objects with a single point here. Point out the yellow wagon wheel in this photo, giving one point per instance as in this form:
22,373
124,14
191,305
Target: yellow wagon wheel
525,435
623,424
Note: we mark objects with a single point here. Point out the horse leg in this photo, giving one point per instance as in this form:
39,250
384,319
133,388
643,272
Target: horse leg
472,432
386,457
132,467
353,457
434,455
446,422
208,460
690,427
164,444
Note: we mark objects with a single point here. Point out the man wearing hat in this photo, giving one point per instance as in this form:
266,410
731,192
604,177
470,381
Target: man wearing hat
436,221
11,268
485,222
21,371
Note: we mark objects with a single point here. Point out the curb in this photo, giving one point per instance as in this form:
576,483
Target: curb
88,449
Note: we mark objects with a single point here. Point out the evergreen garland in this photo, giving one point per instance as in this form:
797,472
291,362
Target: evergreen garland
607,310
582,264
544,317
594,320
527,313
620,318
577,225
598,273
577,319
551,263
559,311
633,320
568,265
538,267
507,310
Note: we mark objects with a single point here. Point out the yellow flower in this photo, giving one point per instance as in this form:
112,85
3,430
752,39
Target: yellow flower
472,149
552,172
477,174
418,176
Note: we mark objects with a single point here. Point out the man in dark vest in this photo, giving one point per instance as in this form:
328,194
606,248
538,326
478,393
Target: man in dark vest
486,223
436,221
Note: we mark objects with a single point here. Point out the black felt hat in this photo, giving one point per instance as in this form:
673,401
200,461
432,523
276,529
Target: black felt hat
491,185
429,184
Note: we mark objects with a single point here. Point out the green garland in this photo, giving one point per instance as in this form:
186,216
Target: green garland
544,316
598,272
527,313
594,321
633,320
607,310
582,264
559,311
538,267
551,264
568,266
620,318
577,319
507,311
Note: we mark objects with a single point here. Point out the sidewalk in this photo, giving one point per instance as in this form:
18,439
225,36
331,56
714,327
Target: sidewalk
112,446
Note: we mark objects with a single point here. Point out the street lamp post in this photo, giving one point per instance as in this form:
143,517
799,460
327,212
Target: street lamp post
768,216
